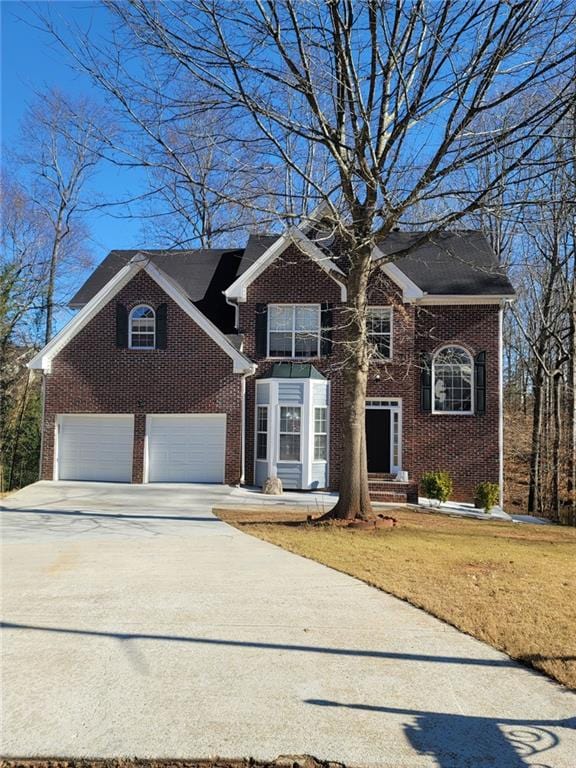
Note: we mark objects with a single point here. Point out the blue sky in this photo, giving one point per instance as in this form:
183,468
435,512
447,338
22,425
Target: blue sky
31,61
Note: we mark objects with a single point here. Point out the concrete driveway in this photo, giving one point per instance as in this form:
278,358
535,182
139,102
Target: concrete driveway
138,624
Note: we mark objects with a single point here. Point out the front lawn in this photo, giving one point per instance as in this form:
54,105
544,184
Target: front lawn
511,585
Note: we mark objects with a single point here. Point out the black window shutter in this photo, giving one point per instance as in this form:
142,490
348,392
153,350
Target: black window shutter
426,382
480,382
261,329
121,326
326,323
161,334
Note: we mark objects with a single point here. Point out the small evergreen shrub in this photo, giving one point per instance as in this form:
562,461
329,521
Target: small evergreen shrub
486,495
437,486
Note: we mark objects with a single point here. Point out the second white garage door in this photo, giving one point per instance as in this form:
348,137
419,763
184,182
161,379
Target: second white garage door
186,448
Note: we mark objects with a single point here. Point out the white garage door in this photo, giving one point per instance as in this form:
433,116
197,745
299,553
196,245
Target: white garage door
95,447
186,448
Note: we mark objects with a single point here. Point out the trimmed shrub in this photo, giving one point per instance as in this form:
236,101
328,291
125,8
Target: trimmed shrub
437,486
486,495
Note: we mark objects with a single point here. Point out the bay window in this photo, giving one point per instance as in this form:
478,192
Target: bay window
290,420
262,432
320,434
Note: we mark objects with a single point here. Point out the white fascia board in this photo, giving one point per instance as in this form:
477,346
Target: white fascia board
242,364
43,359
447,299
316,215
410,291
292,235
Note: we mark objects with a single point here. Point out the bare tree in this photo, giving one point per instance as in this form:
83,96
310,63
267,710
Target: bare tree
388,97
62,143
22,286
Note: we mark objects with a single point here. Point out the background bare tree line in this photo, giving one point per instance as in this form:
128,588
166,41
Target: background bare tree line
416,115
45,246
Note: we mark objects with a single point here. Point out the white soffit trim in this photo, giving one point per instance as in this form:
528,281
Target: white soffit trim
410,291
316,215
292,236
431,299
43,359
241,363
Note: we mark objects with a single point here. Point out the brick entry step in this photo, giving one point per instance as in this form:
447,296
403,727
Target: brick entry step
383,487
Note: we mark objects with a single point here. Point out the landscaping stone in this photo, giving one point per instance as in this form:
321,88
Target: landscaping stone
273,487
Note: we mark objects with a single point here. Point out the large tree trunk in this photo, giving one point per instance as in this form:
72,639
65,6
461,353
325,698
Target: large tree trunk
354,498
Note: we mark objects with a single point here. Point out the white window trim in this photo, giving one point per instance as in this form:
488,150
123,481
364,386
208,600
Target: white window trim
299,460
379,358
259,432
314,460
130,331
436,412
293,332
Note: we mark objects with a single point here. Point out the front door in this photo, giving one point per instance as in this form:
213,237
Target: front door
378,439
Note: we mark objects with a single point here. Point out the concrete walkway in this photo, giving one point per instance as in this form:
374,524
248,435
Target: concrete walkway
138,624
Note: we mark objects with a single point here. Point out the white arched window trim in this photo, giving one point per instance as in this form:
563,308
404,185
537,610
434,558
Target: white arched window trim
142,329
470,357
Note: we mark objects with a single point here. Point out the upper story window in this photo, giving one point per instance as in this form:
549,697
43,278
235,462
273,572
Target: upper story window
142,327
293,330
379,327
452,380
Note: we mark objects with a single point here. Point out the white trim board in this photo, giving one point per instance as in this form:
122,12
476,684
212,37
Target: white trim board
292,236
455,299
43,359
410,291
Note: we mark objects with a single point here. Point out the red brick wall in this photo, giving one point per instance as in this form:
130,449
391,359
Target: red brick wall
192,375
465,446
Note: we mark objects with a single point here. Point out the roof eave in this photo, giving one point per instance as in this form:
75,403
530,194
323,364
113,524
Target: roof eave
237,291
43,359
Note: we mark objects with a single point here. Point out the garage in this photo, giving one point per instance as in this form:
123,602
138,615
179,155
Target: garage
186,448
95,447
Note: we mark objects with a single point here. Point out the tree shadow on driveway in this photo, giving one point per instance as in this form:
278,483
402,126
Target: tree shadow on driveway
327,650
466,741
453,740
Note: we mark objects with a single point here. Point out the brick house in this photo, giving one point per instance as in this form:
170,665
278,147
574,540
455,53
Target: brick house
225,365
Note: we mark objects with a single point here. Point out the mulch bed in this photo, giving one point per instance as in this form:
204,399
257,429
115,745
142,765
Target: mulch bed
283,761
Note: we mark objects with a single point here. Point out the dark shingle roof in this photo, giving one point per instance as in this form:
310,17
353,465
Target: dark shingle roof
255,247
202,273
453,263
295,371
459,263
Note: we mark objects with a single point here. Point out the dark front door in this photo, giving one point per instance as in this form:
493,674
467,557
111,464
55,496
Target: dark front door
378,439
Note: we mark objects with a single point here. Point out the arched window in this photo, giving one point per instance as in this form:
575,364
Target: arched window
142,326
452,381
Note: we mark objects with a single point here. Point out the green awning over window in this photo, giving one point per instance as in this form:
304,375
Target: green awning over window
295,371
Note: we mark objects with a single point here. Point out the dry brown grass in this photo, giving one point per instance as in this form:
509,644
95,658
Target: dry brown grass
511,585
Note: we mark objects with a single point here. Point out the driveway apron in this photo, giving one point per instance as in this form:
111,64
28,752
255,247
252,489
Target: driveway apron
136,623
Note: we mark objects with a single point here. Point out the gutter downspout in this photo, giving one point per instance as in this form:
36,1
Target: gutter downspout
243,427
245,375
